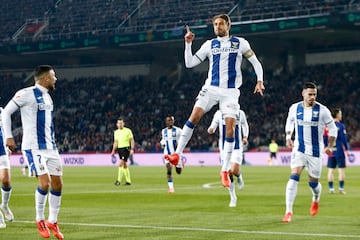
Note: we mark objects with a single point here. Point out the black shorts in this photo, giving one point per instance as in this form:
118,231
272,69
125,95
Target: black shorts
338,161
273,155
124,153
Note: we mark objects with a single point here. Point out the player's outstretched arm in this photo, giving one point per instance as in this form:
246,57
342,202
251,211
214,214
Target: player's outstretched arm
189,36
190,59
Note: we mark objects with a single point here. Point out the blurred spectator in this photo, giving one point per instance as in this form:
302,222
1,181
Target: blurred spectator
84,125
71,19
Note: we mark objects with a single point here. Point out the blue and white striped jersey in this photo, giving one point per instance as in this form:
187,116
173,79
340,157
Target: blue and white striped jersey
169,139
225,55
36,109
241,128
309,124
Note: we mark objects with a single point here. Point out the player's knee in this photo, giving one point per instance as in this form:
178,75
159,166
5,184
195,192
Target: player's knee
178,170
313,184
235,171
43,188
6,186
295,177
56,183
6,183
191,123
5,180
230,133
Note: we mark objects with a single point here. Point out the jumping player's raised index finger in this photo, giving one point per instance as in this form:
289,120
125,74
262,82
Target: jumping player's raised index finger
187,28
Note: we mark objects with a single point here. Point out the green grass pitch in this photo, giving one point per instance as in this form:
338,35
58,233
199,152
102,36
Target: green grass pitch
94,208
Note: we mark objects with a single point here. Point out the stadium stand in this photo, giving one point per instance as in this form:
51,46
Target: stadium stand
67,19
86,124
28,20
153,15
84,18
259,10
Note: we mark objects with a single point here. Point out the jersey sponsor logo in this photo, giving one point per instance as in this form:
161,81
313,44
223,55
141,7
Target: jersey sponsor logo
307,123
223,50
43,107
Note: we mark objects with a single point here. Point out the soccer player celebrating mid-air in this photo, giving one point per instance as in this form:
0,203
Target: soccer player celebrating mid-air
309,119
225,54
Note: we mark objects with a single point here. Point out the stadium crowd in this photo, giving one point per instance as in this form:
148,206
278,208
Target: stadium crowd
71,19
87,108
270,9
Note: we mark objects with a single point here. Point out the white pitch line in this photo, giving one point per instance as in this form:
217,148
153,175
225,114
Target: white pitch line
208,185
118,190
203,229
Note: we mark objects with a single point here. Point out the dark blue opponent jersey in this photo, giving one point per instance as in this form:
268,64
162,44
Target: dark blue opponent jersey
341,141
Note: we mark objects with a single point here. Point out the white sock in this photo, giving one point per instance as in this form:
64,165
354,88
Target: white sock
171,184
316,192
54,206
291,191
185,136
5,196
40,202
232,191
228,149
241,180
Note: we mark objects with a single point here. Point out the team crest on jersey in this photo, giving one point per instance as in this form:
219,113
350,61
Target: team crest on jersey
235,45
316,114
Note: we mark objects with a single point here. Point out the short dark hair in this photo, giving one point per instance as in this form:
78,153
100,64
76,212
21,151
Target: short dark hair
335,111
309,85
223,16
120,119
41,69
170,116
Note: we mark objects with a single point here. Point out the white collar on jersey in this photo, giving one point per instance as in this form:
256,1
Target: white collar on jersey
224,39
41,88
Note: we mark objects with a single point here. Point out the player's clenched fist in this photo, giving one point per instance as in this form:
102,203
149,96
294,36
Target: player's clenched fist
189,36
